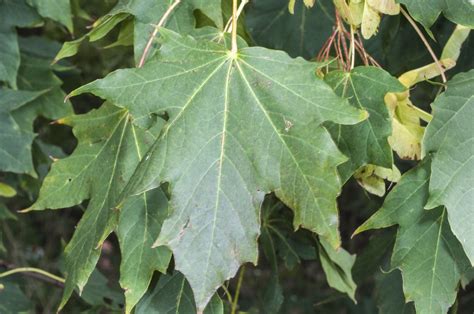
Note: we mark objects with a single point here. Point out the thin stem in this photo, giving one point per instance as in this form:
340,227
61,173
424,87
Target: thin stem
234,27
237,291
352,48
227,293
425,42
228,27
156,30
32,270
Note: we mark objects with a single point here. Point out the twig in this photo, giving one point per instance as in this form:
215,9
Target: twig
237,291
155,32
423,39
34,272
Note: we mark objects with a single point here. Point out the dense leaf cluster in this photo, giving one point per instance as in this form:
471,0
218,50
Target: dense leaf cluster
199,139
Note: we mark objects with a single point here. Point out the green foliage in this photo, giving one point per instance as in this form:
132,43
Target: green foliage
223,147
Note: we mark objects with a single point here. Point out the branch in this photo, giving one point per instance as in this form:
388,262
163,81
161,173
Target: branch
423,39
156,30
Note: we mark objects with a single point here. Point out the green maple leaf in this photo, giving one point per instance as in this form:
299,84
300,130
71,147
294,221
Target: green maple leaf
426,251
15,142
57,10
271,25
337,265
146,15
13,13
450,138
239,127
172,294
140,222
40,94
427,11
109,149
366,142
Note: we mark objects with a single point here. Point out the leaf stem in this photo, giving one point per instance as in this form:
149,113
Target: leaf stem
156,30
425,42
237,291
234,27
228,26
352,48
32,270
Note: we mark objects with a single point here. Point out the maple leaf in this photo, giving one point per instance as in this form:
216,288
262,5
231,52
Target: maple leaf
430,258
109,149
450,138
239,127
366,142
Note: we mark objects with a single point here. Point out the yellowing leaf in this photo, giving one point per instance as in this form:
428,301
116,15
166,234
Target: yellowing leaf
389,7
372,177
6,190
424,73
452,49
352,12
370,21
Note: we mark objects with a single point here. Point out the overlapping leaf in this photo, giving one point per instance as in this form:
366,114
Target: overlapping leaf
239,127
13,13
430,257
367,142
140,222
450,137
146,14
427,11
173,294
57,10
109,149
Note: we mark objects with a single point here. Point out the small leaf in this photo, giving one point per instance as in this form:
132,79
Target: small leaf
372,177
337,265
370,21
385,6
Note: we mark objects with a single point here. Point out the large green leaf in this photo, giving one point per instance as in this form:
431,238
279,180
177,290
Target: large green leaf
12,299
140,222
427,11
239,127
173,294
57,10
300,34
450,138
108,151
366,142
430,258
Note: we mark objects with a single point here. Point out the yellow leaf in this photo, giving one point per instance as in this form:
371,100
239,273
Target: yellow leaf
6,190
372,177
309,3
291,6
370,21
351,13
452,49
385,6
